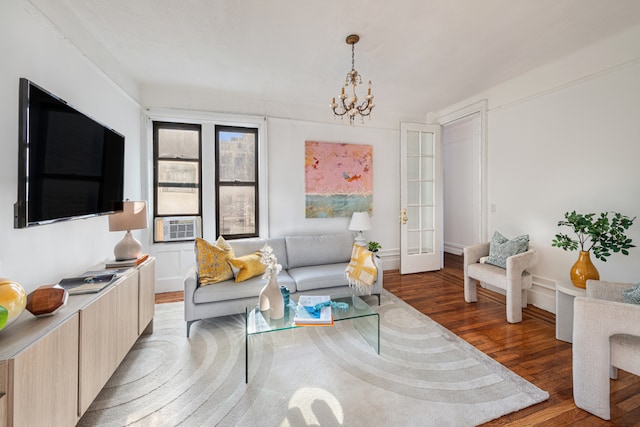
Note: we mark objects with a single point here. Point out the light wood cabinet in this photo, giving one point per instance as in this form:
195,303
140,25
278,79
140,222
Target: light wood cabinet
47,389
52,368
147,296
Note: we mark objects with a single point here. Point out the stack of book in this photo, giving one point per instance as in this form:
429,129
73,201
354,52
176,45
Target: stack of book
313,310
127,262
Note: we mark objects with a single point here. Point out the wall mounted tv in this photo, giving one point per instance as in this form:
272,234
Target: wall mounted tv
69,165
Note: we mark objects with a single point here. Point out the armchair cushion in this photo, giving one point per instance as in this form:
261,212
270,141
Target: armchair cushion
632,295
501,248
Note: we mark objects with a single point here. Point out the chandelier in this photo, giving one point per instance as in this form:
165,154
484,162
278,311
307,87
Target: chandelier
348,103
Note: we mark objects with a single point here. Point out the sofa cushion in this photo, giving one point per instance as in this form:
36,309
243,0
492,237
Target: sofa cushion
246,246
496,276
319,276
229,290
247,266
502,248
303,251
212,261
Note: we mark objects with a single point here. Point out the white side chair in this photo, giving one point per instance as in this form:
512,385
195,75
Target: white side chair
606,336
515,279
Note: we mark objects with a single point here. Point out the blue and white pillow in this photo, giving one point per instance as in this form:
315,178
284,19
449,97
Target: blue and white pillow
501,248
632,295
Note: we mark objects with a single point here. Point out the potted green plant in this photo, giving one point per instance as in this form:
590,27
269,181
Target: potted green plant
602,234
374,247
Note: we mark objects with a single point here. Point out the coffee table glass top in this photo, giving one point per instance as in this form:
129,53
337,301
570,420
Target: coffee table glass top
258,323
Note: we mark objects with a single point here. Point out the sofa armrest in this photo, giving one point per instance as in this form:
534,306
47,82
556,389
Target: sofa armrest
190,286
611,291
377,286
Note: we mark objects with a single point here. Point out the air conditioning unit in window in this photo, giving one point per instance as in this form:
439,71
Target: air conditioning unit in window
175,229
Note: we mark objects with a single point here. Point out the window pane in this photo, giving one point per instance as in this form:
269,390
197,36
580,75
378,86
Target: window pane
178,143
237,210
237,161
185,173
177,201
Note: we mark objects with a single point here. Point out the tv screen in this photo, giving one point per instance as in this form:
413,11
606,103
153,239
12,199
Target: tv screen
69,165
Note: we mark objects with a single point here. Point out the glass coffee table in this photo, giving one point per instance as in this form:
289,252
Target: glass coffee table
365,320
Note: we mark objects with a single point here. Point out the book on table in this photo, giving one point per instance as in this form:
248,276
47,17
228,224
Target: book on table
87,284
308,313
127,263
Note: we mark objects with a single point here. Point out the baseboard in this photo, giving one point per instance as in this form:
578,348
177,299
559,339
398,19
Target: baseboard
453,248
390,259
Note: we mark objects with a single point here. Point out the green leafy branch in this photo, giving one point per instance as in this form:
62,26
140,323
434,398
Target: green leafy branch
601,234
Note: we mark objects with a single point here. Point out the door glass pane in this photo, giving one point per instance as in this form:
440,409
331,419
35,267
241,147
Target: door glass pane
413,143
427,168
237,208
427,144
413,167
413,192
427,189
413,218
178,144
427,217
426,242
413,242
237,153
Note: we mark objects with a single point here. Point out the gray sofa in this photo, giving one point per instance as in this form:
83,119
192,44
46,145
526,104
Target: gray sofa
311,265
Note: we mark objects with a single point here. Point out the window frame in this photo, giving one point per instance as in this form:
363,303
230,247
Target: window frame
256,183
157,125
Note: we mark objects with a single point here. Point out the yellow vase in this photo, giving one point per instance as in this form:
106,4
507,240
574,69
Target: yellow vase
13,300
583,270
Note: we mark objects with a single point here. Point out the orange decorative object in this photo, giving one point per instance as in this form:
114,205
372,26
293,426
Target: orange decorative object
13,300
47,300
583,270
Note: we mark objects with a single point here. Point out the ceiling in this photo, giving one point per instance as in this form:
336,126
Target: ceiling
422,55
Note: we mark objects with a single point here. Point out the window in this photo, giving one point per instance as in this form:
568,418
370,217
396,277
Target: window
236,153
177,177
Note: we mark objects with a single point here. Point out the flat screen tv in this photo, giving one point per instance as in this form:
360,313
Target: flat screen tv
69,165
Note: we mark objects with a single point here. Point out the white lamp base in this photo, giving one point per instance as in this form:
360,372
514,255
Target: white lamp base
127,248
360,239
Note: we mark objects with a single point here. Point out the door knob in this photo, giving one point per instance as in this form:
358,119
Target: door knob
403,216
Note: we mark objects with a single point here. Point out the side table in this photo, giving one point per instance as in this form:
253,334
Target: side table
565,294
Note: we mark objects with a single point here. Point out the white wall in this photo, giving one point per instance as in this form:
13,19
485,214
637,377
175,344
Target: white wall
567,137
30,47
286,179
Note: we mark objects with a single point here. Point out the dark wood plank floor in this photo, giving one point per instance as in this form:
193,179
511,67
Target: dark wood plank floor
528,348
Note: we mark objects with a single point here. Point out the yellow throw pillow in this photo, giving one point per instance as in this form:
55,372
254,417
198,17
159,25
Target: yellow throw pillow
213,266
247,266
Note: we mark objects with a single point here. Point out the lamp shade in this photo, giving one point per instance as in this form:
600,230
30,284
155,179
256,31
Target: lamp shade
360,221
132,217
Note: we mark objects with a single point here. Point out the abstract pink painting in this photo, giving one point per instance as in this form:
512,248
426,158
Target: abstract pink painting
338,179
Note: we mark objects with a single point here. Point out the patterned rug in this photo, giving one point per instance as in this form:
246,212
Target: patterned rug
424,375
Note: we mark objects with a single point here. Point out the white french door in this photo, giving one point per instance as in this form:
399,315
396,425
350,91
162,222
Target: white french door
420,198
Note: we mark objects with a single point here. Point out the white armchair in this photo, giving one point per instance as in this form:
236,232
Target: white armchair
515,279
606,336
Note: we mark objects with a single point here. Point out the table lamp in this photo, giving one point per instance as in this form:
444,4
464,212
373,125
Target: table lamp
132,217
360,222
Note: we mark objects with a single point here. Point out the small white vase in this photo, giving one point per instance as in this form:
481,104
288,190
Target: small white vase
271,298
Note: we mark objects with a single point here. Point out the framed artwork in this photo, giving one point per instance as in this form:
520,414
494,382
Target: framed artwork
338,179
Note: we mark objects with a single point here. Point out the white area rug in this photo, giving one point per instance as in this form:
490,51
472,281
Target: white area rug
327,376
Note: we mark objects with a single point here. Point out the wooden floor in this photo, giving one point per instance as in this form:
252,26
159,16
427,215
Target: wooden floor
528,348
